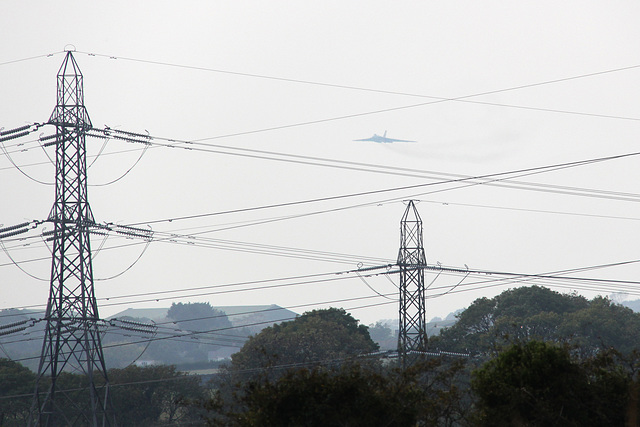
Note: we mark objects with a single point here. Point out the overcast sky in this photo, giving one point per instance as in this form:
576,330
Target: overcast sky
537,84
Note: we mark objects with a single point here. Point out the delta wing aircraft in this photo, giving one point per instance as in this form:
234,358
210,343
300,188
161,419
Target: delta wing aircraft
383,139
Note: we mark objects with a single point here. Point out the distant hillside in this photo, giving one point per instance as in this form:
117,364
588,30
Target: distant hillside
23,345
252,317
155,314
633,305
182,346
170,344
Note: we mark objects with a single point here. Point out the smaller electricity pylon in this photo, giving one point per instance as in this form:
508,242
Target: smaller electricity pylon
412,336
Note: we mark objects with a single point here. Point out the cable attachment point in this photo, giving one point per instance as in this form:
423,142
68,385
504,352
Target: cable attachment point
14,230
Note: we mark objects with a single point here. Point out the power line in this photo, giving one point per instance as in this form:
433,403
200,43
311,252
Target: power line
494,284
367,167
191,375
302,279
511,208
244,313
553,279
576,77
227,291
372,90
326,277
46,55
254,248
197,241
196,333
259,251
484,272
350,165
193,239
436,99
400,188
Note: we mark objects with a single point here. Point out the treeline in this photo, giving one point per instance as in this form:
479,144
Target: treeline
538,313
525,384
538,358
141,396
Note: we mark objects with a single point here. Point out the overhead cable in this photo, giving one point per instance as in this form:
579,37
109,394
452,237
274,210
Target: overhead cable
436,99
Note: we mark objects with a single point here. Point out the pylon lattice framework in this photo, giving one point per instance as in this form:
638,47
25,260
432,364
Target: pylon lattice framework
412,337
72,337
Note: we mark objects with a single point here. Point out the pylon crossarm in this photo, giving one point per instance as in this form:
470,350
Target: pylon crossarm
21,228
19,132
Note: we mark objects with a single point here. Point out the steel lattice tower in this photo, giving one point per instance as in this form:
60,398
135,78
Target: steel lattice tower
72,338
412,337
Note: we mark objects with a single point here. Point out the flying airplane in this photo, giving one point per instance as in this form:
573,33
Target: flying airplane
383,138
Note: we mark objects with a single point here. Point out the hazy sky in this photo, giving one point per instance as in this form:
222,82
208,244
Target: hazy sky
537,84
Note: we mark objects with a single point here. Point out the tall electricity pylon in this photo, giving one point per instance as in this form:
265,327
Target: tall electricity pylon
412,336
72,338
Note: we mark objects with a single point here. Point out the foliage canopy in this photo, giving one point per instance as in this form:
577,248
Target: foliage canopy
538,313
542,384
316,336
347,395
15,380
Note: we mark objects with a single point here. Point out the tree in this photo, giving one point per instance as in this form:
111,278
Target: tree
352,394
528,301
602,324
318,397
472,329
383,336
537,313
540,384
198,316
318,336
16,388
146,396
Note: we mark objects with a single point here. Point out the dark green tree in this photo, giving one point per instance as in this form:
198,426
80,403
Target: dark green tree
472,330
602,324
528,301
318,336
16,393
154,395
198,316
541,384
347,395
318,397
537,313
